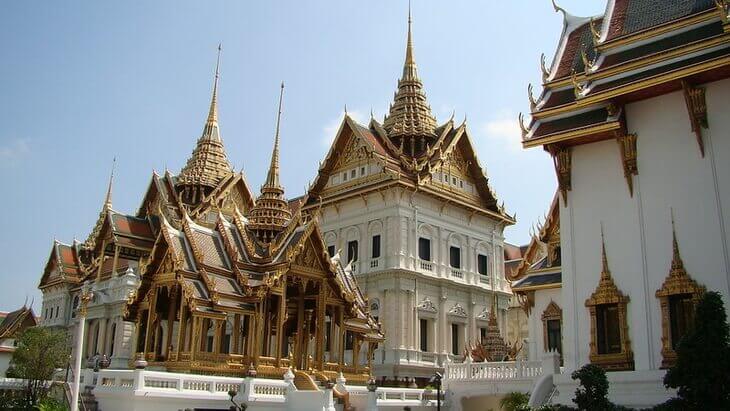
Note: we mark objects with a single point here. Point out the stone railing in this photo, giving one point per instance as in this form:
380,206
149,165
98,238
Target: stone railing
493,371
457,273
393,398
426,265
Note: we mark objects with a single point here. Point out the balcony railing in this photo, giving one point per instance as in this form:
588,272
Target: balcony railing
426,265
483,279
374,263
455,272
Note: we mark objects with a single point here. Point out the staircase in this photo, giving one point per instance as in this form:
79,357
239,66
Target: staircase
88,401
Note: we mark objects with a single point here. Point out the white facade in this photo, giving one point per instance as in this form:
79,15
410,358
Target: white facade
405,291
106,332
673,177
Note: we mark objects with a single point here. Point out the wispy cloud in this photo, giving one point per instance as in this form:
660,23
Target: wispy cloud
329,131
12,150
504,129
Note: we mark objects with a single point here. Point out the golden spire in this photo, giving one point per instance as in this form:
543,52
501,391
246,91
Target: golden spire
677,263
272,178
410,115
271,213
91,240
605,272
208,164
108,199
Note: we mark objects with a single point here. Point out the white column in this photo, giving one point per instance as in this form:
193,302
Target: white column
101,342
77,362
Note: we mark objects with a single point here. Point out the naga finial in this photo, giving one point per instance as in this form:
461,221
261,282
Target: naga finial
545,71
596,33
524,129
533,103
558,8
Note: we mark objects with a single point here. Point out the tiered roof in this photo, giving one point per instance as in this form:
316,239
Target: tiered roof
16,321
413,151
208,164
635,50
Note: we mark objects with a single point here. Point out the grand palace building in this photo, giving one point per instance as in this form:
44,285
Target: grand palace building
391,265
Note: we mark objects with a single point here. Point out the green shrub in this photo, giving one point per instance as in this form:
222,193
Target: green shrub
514,400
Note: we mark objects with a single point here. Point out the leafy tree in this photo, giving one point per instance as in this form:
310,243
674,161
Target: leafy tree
514,400
703,359
39,353
592,395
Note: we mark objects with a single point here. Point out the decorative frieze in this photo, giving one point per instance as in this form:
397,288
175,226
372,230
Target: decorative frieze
458,311
694,97
562,162
627,146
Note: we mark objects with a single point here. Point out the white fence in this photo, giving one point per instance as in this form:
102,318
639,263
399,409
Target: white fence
493,371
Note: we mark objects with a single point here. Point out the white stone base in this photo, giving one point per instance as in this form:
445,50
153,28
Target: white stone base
635,389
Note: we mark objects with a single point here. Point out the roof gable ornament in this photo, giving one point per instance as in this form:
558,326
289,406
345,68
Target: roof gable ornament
543,68
91,240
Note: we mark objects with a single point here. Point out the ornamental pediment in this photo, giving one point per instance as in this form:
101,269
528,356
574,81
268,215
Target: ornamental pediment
457,310
484,315
427,305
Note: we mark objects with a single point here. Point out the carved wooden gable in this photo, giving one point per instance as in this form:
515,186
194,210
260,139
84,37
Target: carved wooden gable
310,258
356,152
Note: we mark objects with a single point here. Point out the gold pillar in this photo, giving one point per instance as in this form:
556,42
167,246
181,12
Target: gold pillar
151,315
280,326
236,333
321,306
171,308
181,330
340,314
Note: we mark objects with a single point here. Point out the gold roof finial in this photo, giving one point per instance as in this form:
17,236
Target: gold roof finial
272,178
271,213
108,199
208,164
410,115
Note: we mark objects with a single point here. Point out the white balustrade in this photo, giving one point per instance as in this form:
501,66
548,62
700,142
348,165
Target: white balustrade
426,265
455,272
493,371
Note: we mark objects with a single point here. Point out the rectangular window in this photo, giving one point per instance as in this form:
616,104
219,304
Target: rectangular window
608,329
327,335
331,250
482,264
348,340
554,338
352,251
424,249
376,246
344,176
455,257
453,180
353,173
362,171
455,339
424,334
482,334
681,316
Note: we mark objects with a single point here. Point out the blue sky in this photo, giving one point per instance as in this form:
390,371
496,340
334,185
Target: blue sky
82,82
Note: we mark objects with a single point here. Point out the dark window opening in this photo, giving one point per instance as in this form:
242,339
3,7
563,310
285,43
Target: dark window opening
331,250
554,338
455,339
348,340
352,251
482,264
424,335
424,249
482,334
376,246
455,257
681,316
608,329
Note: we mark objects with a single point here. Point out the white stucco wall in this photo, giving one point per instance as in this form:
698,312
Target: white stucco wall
638,229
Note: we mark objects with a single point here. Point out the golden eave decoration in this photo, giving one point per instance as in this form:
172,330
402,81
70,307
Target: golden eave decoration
694,97
562,162
627,146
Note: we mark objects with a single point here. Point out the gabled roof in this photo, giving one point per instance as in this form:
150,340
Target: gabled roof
63,265
401,168
16,321
534,257
636,50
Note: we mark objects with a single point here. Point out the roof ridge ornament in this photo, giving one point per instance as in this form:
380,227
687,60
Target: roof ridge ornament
558,8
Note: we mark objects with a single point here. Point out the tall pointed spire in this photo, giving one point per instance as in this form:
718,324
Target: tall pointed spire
108,199
271,213
410,115
604,260
272,178
208,164
677,263
91,240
